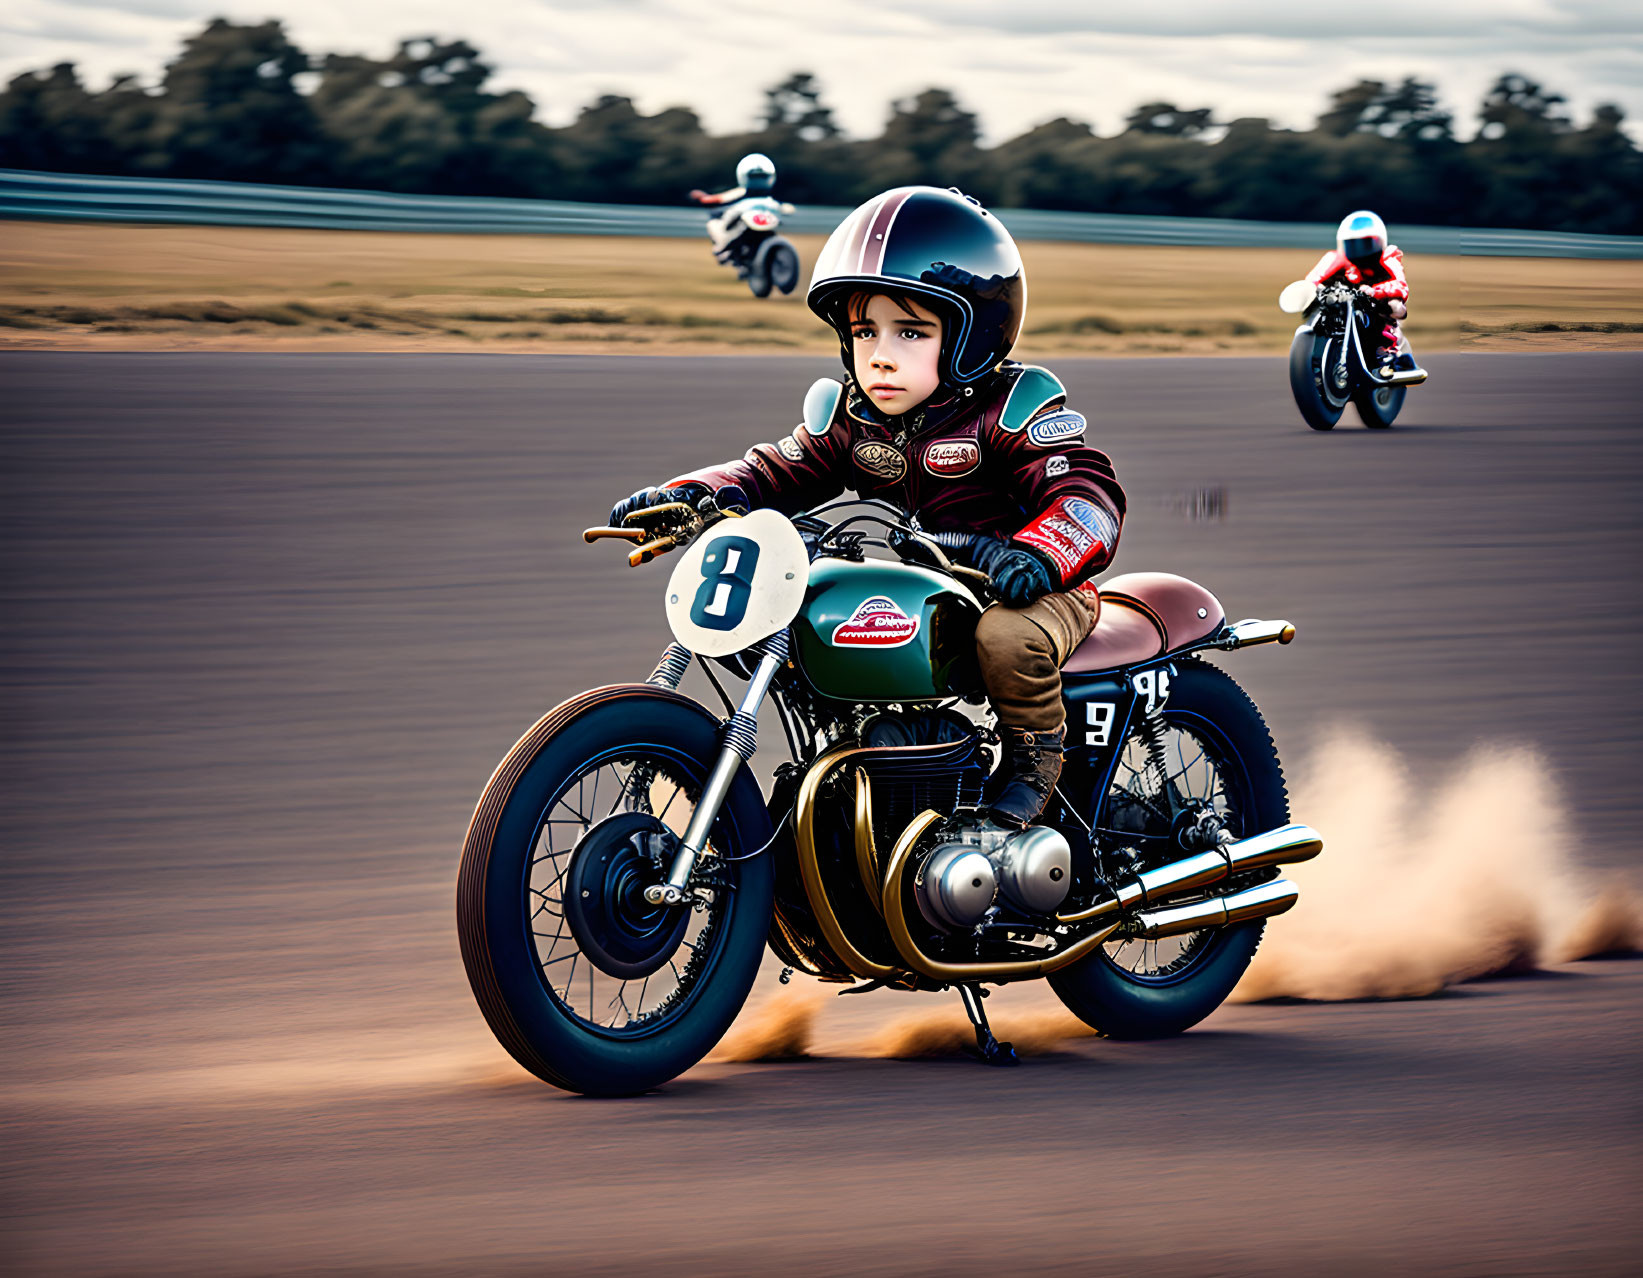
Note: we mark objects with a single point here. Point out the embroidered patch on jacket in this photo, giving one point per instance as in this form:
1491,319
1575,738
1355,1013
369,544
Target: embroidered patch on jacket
952,457
881,460
876,623
1072,533
1057,428
1057,465
790,448
1093,519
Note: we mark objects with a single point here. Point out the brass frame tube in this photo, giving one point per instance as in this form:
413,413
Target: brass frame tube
804,841
867,853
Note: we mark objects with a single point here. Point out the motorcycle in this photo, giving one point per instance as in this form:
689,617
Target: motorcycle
623,872
1327,365
745,237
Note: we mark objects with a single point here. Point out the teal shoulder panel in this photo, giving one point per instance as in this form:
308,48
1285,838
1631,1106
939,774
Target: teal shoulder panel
1033,389
820,403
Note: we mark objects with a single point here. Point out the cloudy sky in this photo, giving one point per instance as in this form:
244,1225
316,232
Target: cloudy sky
1016,63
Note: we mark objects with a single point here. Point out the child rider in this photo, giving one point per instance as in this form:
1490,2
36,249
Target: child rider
1363,257
927,293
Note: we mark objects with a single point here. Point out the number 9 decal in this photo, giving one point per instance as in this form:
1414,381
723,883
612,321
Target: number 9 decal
727,583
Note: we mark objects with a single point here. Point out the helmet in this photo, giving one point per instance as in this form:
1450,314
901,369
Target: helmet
1361,237
756,173
942,248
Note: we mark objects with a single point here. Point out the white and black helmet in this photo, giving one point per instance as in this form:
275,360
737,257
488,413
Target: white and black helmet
942,248
1361,237
756,173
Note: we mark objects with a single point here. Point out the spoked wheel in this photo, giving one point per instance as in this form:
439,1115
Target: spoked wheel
1210,764
614,963
1314,380
583,981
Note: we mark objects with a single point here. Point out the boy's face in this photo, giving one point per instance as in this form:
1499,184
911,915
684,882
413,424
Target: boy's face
895,348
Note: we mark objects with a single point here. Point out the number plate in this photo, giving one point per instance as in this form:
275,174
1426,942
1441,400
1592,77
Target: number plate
744,579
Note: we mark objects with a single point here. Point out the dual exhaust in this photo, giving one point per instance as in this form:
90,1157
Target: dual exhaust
1283,846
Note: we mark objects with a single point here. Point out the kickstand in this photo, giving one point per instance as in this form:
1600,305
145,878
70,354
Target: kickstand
988,1049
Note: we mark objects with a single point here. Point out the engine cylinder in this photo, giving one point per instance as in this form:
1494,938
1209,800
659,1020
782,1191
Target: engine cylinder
956,886
959,881
1035,869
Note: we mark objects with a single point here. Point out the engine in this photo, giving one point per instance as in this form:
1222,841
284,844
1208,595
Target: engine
975,866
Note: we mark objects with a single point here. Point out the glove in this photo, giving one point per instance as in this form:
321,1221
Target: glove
1019,576
691,493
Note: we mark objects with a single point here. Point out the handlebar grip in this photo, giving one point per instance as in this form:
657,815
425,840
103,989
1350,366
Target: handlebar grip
591,535
645,553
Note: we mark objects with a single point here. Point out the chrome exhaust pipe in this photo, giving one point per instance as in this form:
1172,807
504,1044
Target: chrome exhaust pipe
1259,902
1404,377
1283,846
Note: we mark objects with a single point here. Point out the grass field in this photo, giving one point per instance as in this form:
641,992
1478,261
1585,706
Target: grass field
73,286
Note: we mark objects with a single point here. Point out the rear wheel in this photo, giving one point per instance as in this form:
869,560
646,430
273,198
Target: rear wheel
1212,754
587,985
1312,379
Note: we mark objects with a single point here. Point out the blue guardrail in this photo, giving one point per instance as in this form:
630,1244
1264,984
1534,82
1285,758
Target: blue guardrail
78,197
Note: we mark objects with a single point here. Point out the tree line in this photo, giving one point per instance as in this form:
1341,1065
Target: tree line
242,102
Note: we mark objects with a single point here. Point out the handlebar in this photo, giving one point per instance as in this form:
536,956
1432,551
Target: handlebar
688,523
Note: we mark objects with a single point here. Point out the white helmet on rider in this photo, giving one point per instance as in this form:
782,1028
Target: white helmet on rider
1361,237
756,173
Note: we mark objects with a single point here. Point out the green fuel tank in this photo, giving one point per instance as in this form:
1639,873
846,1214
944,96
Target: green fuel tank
881,631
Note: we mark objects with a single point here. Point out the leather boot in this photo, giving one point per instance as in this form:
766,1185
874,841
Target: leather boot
1031,767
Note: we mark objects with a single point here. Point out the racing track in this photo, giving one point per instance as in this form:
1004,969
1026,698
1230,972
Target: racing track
266,623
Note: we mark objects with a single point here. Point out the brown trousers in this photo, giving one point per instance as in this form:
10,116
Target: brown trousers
1022,651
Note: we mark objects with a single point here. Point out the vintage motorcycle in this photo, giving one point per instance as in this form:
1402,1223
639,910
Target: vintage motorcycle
623,871
1328,368
745,237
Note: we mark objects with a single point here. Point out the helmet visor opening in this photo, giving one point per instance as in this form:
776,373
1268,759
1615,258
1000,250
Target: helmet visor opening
1367,248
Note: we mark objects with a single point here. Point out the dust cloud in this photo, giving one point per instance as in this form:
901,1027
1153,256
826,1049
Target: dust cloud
948,1033
1425,882
780,1029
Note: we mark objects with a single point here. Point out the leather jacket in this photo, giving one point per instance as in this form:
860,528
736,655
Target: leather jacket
1010,461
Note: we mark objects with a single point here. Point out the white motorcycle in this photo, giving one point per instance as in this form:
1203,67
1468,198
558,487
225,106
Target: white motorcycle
745,236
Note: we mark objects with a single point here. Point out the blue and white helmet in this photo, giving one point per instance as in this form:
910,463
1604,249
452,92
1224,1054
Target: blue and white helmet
756,173
1361,237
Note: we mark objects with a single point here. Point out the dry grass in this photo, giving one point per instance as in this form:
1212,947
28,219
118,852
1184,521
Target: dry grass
136,287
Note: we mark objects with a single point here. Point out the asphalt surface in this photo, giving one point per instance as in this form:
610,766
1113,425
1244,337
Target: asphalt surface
267,622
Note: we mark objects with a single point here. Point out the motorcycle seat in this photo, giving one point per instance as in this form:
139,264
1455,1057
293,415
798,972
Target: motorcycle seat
1145,615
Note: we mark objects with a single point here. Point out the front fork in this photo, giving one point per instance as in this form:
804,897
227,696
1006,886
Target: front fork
739,738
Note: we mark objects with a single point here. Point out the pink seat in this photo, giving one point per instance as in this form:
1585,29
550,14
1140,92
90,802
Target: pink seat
1144,615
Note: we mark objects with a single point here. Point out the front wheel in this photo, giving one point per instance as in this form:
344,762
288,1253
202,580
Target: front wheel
1212,754
783,265
584,983
1312,356
1379,406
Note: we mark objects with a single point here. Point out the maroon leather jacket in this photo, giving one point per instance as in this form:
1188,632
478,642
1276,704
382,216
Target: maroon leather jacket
1013,464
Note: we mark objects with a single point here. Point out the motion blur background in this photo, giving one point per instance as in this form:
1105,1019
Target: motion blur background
289,557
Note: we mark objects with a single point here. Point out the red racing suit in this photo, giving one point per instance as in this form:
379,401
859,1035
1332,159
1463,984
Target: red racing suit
1014,463
1384,278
